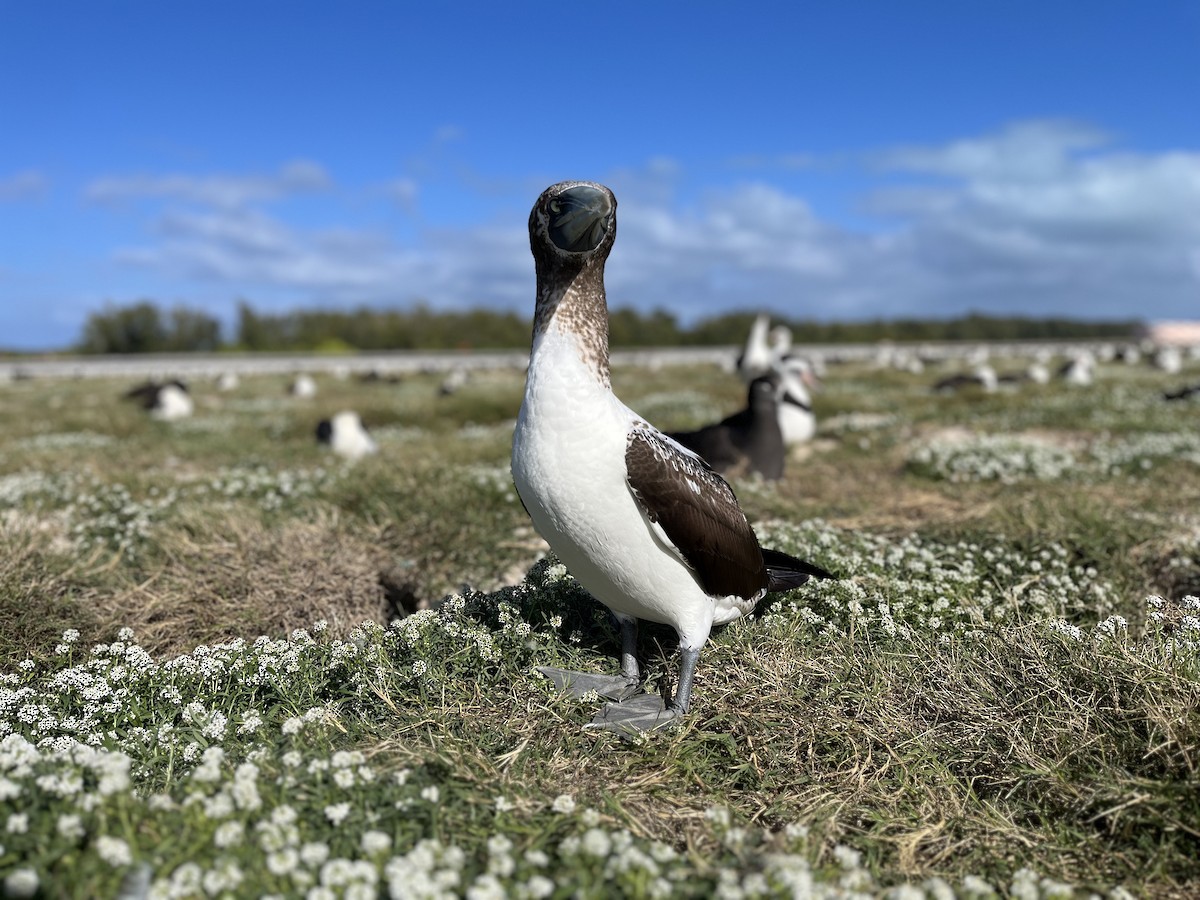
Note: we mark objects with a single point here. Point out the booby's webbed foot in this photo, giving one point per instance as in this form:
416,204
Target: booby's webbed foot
645,712
580,684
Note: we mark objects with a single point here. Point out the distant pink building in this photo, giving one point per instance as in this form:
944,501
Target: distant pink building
1180,334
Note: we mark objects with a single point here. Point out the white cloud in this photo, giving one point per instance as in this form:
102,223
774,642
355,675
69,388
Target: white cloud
1037,218
300,176
23,185
1034,150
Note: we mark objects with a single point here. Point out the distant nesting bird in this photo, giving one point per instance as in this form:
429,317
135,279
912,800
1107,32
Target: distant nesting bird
452,382
303,386
747,441
167,401
1183,393
1038,373
346,435
227,381
983,376
378,376
1080,370
1169,360
797,422
643,523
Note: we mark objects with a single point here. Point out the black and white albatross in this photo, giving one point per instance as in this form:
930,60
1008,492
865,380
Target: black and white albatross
641,522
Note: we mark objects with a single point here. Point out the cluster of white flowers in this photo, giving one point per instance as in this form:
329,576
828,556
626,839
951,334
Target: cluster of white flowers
110,515
987,457
1009,458
496,480
912,585
1142,452
303,821
679,406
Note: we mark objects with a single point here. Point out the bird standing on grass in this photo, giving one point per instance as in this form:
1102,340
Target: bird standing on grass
641,522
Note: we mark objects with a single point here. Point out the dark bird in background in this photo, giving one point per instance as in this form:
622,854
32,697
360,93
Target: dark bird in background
165,400
747,441
1183,393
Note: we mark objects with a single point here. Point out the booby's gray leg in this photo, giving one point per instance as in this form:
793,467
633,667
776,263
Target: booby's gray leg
687,674
647,712
580,684
629,635
610,687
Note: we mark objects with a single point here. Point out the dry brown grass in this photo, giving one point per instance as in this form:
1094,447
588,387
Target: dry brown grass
226,574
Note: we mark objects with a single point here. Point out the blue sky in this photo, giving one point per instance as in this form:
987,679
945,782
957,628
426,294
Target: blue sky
834,161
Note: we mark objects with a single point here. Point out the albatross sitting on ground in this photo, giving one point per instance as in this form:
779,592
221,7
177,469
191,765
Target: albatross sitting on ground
747,441
641,522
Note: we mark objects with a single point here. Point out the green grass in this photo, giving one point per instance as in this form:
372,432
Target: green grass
962,713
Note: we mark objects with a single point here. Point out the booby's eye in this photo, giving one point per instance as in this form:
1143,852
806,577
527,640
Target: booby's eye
555,207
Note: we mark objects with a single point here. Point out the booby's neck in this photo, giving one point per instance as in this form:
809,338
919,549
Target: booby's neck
571,300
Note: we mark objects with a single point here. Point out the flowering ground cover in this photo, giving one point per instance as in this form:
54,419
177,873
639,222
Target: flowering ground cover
231,665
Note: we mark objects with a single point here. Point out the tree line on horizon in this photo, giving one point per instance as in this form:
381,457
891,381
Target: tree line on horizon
144,328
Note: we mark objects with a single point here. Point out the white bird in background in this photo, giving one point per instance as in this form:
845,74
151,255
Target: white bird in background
346,435
1079,371
166,402
766,348
755,358
1169,360
644,524
303,386
1038,373
797,423
173,403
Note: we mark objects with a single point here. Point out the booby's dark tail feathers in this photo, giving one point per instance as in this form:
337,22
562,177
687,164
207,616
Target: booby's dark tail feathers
785,572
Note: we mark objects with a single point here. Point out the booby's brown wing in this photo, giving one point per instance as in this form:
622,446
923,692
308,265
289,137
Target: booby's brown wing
696,512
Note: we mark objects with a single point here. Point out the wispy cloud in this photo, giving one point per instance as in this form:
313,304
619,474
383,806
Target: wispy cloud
1037,217
23,185
300,176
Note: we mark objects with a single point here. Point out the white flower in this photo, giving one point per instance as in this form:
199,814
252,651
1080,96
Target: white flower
71,827
537,858
486,887
113,851
21,883
283,862
563,803
503,804
431,793
228,834
18,823
596,842
314,854
373,842
337,812
847,857
718,815
539,887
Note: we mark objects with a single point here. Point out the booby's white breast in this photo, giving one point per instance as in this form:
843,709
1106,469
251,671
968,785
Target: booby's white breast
569,468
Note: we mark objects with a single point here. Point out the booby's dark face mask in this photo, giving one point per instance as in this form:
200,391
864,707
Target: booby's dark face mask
579,219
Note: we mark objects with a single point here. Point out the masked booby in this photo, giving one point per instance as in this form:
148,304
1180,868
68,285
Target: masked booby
642,523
